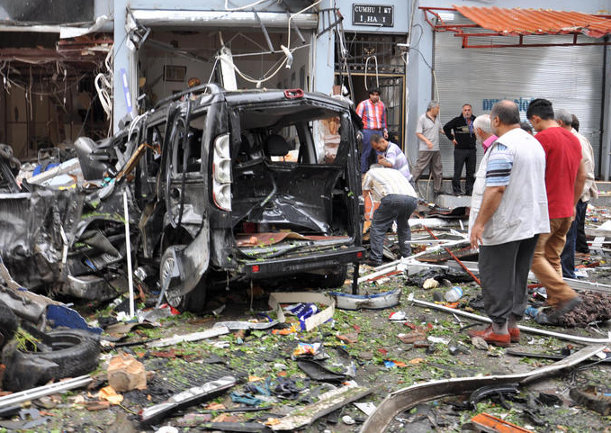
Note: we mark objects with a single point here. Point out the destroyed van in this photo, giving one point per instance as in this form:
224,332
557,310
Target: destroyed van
247,185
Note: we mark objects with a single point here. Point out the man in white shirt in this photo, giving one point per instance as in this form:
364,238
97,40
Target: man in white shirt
398,200
508,212
567,258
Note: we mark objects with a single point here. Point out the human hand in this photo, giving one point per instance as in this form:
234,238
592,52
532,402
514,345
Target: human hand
476,235
429,144
455,142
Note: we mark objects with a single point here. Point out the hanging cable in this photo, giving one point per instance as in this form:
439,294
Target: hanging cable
375,58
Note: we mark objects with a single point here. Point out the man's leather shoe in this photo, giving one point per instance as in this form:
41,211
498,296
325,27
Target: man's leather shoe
491,337
564,308
514,334
372,263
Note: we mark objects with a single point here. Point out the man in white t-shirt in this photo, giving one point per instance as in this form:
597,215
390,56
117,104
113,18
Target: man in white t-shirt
397,200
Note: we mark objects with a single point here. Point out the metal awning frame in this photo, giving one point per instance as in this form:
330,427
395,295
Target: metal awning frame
433,18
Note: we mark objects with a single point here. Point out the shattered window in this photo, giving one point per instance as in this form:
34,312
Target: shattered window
327,139
187,153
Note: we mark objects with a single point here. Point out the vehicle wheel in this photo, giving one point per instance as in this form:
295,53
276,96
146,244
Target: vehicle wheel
68,354
8,324
335,277
195,300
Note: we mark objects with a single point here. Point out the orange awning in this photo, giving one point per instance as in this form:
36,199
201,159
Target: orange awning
521,24
536,21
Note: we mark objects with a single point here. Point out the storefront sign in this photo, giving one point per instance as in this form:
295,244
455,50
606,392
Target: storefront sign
372,15
522,103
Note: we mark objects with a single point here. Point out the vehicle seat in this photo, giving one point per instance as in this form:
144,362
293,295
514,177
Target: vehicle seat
276,145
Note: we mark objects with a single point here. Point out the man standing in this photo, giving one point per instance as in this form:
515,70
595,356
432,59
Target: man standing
397,201
373,113
564,180
460,131
427,131
581,244
483,131
508,211
390,155
565,120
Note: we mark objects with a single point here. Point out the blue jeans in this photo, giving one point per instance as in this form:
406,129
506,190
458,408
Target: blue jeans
367,133
393,207
567,258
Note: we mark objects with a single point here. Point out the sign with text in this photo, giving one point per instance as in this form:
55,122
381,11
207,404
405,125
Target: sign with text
372,15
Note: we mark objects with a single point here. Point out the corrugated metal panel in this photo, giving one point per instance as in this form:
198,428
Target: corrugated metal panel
570,77
536,21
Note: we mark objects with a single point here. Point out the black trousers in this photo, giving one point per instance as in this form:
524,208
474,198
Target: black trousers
468,158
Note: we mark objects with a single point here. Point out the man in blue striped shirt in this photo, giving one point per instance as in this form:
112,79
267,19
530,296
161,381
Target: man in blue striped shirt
508,212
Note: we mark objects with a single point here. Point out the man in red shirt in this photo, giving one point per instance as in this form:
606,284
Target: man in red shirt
373,113
564,178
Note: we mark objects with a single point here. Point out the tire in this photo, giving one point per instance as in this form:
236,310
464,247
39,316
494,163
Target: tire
8,324
195,300
69,354
335,278
332,279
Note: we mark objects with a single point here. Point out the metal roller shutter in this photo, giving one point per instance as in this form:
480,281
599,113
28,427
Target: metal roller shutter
570,77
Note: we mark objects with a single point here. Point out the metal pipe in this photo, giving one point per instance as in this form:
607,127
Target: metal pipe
190,18
574,338
41,391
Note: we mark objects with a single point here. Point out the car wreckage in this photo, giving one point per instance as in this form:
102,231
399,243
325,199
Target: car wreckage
222,186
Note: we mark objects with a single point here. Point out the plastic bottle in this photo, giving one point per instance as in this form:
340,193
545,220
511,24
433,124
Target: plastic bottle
454,294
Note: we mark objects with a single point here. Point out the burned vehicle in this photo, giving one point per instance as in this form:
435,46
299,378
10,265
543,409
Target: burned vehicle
246,185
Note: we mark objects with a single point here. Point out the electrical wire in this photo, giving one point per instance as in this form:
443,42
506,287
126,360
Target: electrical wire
240,8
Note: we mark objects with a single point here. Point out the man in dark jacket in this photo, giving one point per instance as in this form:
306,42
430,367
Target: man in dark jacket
460,131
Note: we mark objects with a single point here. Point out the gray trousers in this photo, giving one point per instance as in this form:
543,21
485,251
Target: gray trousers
503,270
430,159
393,207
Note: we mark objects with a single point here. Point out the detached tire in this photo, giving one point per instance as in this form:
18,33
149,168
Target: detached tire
69,354
8,324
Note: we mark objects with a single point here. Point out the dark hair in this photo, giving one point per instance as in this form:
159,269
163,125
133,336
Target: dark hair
374,90
507,112
375,138
526,127
575,123
540,107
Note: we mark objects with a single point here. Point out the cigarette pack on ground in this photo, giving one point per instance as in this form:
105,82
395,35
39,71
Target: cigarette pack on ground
278,298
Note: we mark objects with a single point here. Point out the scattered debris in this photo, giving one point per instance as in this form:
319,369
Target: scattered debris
593,398
575,338
406,398
489,423
327,403
195,336
41,391
278,298
186,398
375,301
125,373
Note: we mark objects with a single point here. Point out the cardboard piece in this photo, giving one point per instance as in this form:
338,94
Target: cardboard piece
278,298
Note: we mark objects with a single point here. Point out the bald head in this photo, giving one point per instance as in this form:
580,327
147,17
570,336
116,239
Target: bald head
504,116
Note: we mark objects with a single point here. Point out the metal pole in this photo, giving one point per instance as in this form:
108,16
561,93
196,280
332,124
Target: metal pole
128,250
